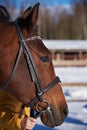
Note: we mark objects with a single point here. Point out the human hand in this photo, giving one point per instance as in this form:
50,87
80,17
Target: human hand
28,123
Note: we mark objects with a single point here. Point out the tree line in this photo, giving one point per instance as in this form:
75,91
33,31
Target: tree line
71,24
59,23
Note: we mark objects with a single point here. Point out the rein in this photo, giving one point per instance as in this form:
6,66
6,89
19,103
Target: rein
32,71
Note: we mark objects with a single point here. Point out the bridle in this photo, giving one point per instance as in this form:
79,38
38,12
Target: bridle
32,71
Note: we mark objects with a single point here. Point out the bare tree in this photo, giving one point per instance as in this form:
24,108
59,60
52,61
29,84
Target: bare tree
80,9
83,5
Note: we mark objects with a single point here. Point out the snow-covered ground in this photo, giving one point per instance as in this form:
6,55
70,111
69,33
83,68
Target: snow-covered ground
65,44
77,117
72,74
75,93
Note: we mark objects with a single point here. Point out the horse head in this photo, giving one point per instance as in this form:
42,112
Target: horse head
32,79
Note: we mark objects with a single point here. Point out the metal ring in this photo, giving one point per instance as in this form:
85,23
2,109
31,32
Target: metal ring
45,109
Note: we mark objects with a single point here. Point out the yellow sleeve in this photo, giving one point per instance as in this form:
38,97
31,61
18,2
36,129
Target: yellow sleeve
10,120
9,113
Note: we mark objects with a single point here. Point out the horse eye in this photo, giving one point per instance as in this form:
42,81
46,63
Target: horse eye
44,58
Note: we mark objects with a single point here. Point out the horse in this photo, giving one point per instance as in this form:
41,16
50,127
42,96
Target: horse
26,69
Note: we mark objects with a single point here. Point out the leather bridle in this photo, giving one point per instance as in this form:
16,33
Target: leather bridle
32,71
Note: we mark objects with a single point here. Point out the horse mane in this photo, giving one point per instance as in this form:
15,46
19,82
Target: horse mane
4,15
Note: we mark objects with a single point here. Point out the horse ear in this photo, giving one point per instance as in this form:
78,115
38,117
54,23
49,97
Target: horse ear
35,13
30,16
26,13
4,14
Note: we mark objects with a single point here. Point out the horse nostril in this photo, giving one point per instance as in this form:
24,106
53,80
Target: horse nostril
65,111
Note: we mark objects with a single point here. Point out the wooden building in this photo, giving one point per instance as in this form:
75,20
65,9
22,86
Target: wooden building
68,52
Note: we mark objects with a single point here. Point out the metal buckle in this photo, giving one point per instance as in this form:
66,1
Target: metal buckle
41,109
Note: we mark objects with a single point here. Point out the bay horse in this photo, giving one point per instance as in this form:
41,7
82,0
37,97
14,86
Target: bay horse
26,69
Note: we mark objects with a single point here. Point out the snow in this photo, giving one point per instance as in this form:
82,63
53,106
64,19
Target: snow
72,93
76,98
66,44
72,74
75,93
77,118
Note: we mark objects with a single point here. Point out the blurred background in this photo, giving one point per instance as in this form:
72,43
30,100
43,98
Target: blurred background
63,26
58,19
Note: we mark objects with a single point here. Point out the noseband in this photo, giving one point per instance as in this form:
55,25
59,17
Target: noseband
32,71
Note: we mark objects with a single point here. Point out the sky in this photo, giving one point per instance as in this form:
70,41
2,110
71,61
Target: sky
55,2
44,2
18,4
26,3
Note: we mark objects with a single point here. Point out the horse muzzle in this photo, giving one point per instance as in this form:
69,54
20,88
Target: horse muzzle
47,111
48,114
